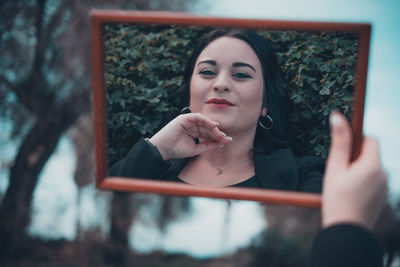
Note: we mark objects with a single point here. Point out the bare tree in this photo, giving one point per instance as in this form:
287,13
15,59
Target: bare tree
44,88
38,96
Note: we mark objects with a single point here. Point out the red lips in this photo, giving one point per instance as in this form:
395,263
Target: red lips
219,101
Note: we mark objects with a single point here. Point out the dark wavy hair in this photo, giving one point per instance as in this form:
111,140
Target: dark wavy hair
275,97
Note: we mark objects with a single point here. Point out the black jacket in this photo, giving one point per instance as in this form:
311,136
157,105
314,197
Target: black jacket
278,170
346,245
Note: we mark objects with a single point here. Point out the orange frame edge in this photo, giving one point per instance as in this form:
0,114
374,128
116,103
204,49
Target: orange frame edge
100,17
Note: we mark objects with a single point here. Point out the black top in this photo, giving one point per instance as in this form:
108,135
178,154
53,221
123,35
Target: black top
346,245
279,170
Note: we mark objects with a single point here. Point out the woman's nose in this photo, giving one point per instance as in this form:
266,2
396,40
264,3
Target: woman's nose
222,84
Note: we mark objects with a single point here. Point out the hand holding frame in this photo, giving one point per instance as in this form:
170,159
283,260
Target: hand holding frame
354,192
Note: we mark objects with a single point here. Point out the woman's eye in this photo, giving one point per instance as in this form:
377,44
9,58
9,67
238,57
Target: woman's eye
241,75
207,72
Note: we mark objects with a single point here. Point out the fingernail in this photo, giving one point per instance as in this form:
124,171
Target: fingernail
335,120
221,146
230,138
216,123
224,134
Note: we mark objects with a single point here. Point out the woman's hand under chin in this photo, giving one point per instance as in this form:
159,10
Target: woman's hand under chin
177,138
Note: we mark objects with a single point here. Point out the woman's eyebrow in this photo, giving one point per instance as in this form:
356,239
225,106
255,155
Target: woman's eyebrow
242,64
212,62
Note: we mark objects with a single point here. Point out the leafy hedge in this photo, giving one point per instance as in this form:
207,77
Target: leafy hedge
143,76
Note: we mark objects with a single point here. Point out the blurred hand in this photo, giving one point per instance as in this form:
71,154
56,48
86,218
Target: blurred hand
177,138
352,192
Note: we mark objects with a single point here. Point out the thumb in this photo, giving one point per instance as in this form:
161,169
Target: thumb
341,142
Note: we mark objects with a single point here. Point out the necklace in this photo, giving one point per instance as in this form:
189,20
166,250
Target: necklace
220,170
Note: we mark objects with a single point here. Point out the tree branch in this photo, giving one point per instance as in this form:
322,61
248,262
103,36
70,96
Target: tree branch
8,83
55,20
39,48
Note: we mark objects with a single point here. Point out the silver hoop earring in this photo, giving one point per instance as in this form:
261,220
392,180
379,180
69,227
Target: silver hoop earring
185,110
270,122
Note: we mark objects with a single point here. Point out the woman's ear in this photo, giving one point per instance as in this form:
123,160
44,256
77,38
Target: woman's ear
264,111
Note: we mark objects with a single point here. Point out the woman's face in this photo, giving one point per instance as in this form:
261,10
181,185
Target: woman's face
227,85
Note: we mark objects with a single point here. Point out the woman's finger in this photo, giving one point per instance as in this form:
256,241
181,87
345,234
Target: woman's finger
341,140
192,131
200,126
199,119
370,147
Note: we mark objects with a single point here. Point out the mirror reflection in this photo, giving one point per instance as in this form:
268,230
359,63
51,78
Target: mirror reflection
224,107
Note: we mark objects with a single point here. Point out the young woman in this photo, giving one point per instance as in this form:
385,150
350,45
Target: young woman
237,131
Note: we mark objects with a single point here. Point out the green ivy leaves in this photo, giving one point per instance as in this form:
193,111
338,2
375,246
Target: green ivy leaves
143,78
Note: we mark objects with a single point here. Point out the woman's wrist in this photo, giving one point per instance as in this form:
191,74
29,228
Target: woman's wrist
351,213
340,221
153,143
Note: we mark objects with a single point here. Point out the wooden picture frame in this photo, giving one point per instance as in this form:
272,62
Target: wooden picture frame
101,17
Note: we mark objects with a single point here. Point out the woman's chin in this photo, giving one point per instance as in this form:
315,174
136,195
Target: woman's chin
224,125
225,121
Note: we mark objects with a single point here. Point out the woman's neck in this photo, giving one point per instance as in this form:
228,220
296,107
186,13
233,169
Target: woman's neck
225,166
239,149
